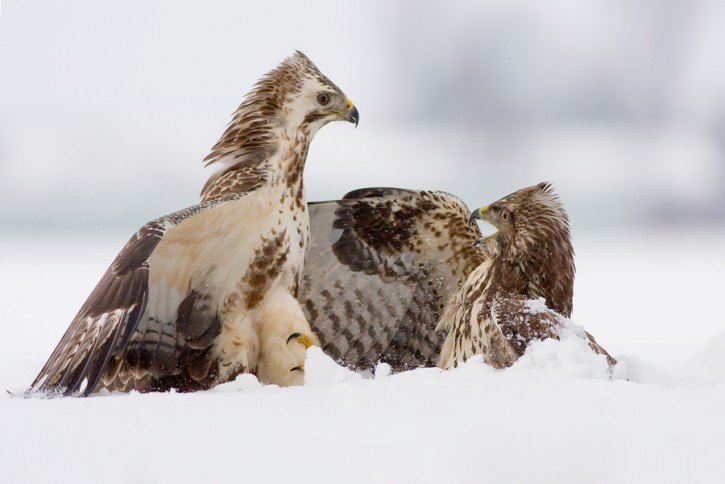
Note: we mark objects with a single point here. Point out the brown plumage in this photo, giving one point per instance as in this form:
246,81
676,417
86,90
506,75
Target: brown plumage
529,259
381,267
203,294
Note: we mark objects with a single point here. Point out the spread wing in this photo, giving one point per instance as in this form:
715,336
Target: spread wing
381,266
104,323
131,333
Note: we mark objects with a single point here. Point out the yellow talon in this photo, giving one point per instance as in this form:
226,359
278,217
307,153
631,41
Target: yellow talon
305,340
302,338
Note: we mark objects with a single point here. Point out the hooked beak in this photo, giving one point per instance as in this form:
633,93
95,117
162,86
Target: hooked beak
351,114
478,214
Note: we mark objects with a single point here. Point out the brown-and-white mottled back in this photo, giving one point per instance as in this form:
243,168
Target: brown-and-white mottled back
498,311
206,293
382,265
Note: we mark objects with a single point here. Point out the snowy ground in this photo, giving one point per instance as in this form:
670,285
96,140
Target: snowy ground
652,300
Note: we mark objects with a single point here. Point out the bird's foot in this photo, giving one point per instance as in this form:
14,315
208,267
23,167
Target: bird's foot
303,339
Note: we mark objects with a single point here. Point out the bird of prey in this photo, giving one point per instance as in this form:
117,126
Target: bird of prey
382,265
203,294
529,260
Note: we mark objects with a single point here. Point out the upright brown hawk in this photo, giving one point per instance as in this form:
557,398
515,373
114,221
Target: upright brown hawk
203,294
529,260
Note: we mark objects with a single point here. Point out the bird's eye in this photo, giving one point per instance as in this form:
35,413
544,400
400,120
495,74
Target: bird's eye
504,216
323,98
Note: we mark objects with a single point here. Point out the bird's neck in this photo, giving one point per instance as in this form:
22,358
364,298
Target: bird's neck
492,245
287,167
281,161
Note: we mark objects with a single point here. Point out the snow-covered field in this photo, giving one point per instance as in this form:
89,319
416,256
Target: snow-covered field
652,300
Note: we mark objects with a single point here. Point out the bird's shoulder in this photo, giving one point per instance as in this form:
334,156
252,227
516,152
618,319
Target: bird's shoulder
143,242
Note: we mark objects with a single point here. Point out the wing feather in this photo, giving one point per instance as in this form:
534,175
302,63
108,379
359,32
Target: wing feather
381,265
502,327
116,303
113,340
521,320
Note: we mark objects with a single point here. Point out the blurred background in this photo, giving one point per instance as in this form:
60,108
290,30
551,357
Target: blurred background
107,108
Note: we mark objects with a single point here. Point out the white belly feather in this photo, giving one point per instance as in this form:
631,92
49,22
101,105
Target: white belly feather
212,251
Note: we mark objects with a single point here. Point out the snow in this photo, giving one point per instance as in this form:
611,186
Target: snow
568,357
556,416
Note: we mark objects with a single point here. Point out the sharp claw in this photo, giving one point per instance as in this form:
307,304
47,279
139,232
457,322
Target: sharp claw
301,338
305,340
298,368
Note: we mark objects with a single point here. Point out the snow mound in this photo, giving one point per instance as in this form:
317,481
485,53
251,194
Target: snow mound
243,382
703,368
569,356
382,370
321,370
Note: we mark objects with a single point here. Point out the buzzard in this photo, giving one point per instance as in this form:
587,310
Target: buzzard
523,290
203,294
381,267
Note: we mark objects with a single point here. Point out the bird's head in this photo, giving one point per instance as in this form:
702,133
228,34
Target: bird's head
304,97
526,217
293,97
533,232
497,214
